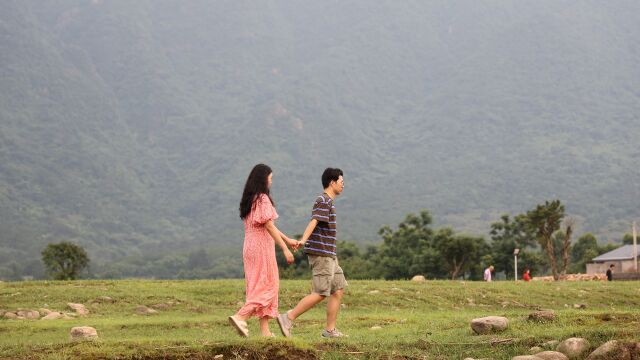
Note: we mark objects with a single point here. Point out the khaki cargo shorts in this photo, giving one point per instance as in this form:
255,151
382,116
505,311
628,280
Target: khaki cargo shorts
327,275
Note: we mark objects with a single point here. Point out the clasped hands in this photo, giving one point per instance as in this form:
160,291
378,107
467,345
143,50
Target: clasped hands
294,244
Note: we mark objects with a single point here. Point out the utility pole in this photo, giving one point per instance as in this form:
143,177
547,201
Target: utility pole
635,248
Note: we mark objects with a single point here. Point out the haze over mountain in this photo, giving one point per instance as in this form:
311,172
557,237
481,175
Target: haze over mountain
129,127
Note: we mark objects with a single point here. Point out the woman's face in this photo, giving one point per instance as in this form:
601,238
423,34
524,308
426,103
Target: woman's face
269,180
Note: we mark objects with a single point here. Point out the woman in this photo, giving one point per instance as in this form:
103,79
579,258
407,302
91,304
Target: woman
260,267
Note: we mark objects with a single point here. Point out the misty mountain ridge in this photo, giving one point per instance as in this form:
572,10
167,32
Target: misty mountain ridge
130,128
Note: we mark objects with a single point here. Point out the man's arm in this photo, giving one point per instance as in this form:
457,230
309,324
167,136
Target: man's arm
308,231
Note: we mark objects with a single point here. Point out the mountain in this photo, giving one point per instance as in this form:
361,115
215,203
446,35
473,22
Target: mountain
130,127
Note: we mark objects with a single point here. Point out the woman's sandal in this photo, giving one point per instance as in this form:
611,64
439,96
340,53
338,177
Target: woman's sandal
241,326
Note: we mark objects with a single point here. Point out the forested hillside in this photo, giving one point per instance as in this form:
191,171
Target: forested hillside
130,127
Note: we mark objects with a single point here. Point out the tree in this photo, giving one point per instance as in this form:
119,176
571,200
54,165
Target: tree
585,249
458,251
566,244
507,235
544,221
65,260
409,250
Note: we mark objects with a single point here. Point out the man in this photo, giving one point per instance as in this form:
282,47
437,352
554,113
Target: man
319,240
487,273
610,272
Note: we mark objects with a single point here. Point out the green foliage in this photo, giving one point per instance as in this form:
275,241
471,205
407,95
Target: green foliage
128,127
419,320
64,261
544,220
507,235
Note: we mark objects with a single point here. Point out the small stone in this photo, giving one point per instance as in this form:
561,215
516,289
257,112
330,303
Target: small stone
611,350
344,306
10,315
53,316
374,292
542,316
418,278
143,310
552,355
219,356
551,344
79,309
81,333
161,306
573,347
535,350
28,314
489,324
525,357
103,299
375,328
44,311
579,306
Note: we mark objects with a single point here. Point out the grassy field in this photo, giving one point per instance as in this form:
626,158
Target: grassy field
428,320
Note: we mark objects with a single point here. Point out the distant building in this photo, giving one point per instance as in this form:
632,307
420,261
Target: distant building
621,257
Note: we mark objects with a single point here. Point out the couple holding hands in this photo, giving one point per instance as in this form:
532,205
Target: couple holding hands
260,268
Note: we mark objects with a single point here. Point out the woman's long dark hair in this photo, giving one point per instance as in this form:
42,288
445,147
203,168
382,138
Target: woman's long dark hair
256,184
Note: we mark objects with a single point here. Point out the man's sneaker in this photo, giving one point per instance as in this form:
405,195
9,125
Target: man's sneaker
332,333
285,324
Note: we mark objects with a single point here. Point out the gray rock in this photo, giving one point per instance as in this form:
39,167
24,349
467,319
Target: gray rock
143,310
525,357
418,278
543,316
103,299
552,355
573,347
28,314
489,324
161,306
551,344
79,309
611,350
44,311
82,333
54,315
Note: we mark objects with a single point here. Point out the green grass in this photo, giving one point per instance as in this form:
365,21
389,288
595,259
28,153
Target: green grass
419,320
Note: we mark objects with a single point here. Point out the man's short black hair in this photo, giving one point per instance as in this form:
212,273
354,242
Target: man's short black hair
329,175
612,265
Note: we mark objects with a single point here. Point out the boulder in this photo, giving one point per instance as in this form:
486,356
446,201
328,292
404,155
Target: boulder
79,309
573,347
489,324
418,278
143,310
611,350
10,315
82,333
525,357
552,355
542,316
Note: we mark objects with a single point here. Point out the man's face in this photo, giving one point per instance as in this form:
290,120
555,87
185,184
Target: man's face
338,185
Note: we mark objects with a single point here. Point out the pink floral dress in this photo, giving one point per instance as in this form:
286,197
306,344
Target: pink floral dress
260,266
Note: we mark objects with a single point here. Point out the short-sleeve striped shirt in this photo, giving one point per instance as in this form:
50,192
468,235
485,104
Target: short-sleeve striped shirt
322,241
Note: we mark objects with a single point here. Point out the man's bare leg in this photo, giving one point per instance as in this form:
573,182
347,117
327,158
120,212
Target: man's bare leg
333,307
304,305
